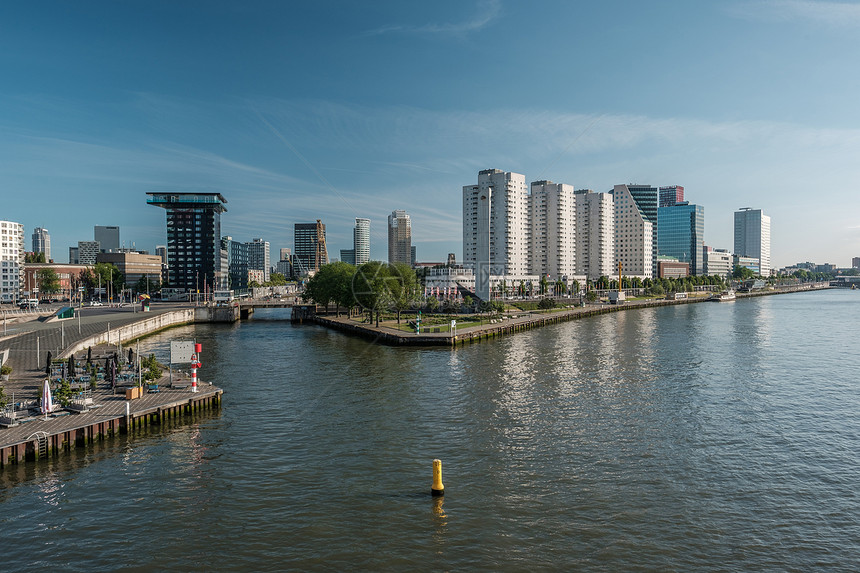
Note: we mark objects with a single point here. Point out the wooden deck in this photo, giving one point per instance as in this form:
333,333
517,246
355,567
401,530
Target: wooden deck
104,418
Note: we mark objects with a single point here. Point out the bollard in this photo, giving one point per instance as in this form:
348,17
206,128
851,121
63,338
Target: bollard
438,488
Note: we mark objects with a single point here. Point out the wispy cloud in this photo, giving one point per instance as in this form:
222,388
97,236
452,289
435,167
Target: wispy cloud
831,14
487,12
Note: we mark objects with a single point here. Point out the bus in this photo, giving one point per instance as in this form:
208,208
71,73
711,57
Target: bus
174,295
222,296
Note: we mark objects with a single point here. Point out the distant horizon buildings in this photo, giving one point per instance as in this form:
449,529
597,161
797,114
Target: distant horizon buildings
107,237
258,258
399,237
310,247
752,238
361,241
42,242
11,259
671,195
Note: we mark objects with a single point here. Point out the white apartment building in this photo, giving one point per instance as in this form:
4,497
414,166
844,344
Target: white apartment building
11,259
496,226
634,237
752,237
595,234
552,210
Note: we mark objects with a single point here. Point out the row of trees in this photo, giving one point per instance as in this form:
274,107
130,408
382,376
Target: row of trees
373,287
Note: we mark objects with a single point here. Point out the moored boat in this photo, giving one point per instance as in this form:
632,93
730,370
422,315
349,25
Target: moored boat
724,296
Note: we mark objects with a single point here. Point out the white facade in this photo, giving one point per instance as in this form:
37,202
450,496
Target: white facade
634,237
361,241
717,262
752,237
595,234
11,259
42,242
552,211
258,258
506,225
444,282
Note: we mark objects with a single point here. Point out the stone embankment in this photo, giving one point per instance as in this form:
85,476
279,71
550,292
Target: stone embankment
517,321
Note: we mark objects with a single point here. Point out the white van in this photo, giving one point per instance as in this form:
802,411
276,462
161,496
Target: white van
29,303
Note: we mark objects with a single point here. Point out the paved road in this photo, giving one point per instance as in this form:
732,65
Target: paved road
21,337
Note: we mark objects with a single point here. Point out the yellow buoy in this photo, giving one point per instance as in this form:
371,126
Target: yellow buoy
438,488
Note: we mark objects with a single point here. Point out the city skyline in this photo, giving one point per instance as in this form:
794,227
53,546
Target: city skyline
331,111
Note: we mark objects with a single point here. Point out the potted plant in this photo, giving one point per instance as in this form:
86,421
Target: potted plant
5,371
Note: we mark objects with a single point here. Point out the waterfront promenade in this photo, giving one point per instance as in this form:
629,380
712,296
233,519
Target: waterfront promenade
511,321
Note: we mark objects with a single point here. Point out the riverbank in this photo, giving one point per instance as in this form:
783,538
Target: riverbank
510,322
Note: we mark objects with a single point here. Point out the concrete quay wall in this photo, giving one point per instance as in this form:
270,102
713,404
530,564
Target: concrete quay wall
134,330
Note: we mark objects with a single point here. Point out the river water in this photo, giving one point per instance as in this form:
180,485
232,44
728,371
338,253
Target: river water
701,437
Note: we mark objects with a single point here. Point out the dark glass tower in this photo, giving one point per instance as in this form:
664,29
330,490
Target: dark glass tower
193,239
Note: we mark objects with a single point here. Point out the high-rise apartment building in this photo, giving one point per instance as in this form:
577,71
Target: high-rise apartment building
682,234
671,195
107,237
634,232
496,227
258,258
552,211
42,242
855,262
310,247
361,241
752,237
11,259
88,251
496,214
595,234
647,200
193,239
399,238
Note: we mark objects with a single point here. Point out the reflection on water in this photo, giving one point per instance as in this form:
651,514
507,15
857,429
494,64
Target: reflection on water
695,437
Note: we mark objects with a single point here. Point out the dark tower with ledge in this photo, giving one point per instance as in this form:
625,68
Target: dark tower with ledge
194,256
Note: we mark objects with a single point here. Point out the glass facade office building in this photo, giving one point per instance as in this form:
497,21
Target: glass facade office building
193,239
682,234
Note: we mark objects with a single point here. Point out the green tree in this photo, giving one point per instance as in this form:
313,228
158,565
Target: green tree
34,258
546,303
369,285
276,279
148,285
47,280
544,284
332,283
402,286
742,273
151,368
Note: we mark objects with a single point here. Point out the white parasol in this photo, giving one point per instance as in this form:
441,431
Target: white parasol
47,404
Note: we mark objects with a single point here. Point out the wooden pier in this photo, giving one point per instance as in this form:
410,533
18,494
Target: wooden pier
38,438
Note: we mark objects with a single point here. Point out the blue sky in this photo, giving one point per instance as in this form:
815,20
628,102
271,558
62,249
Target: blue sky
335,110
